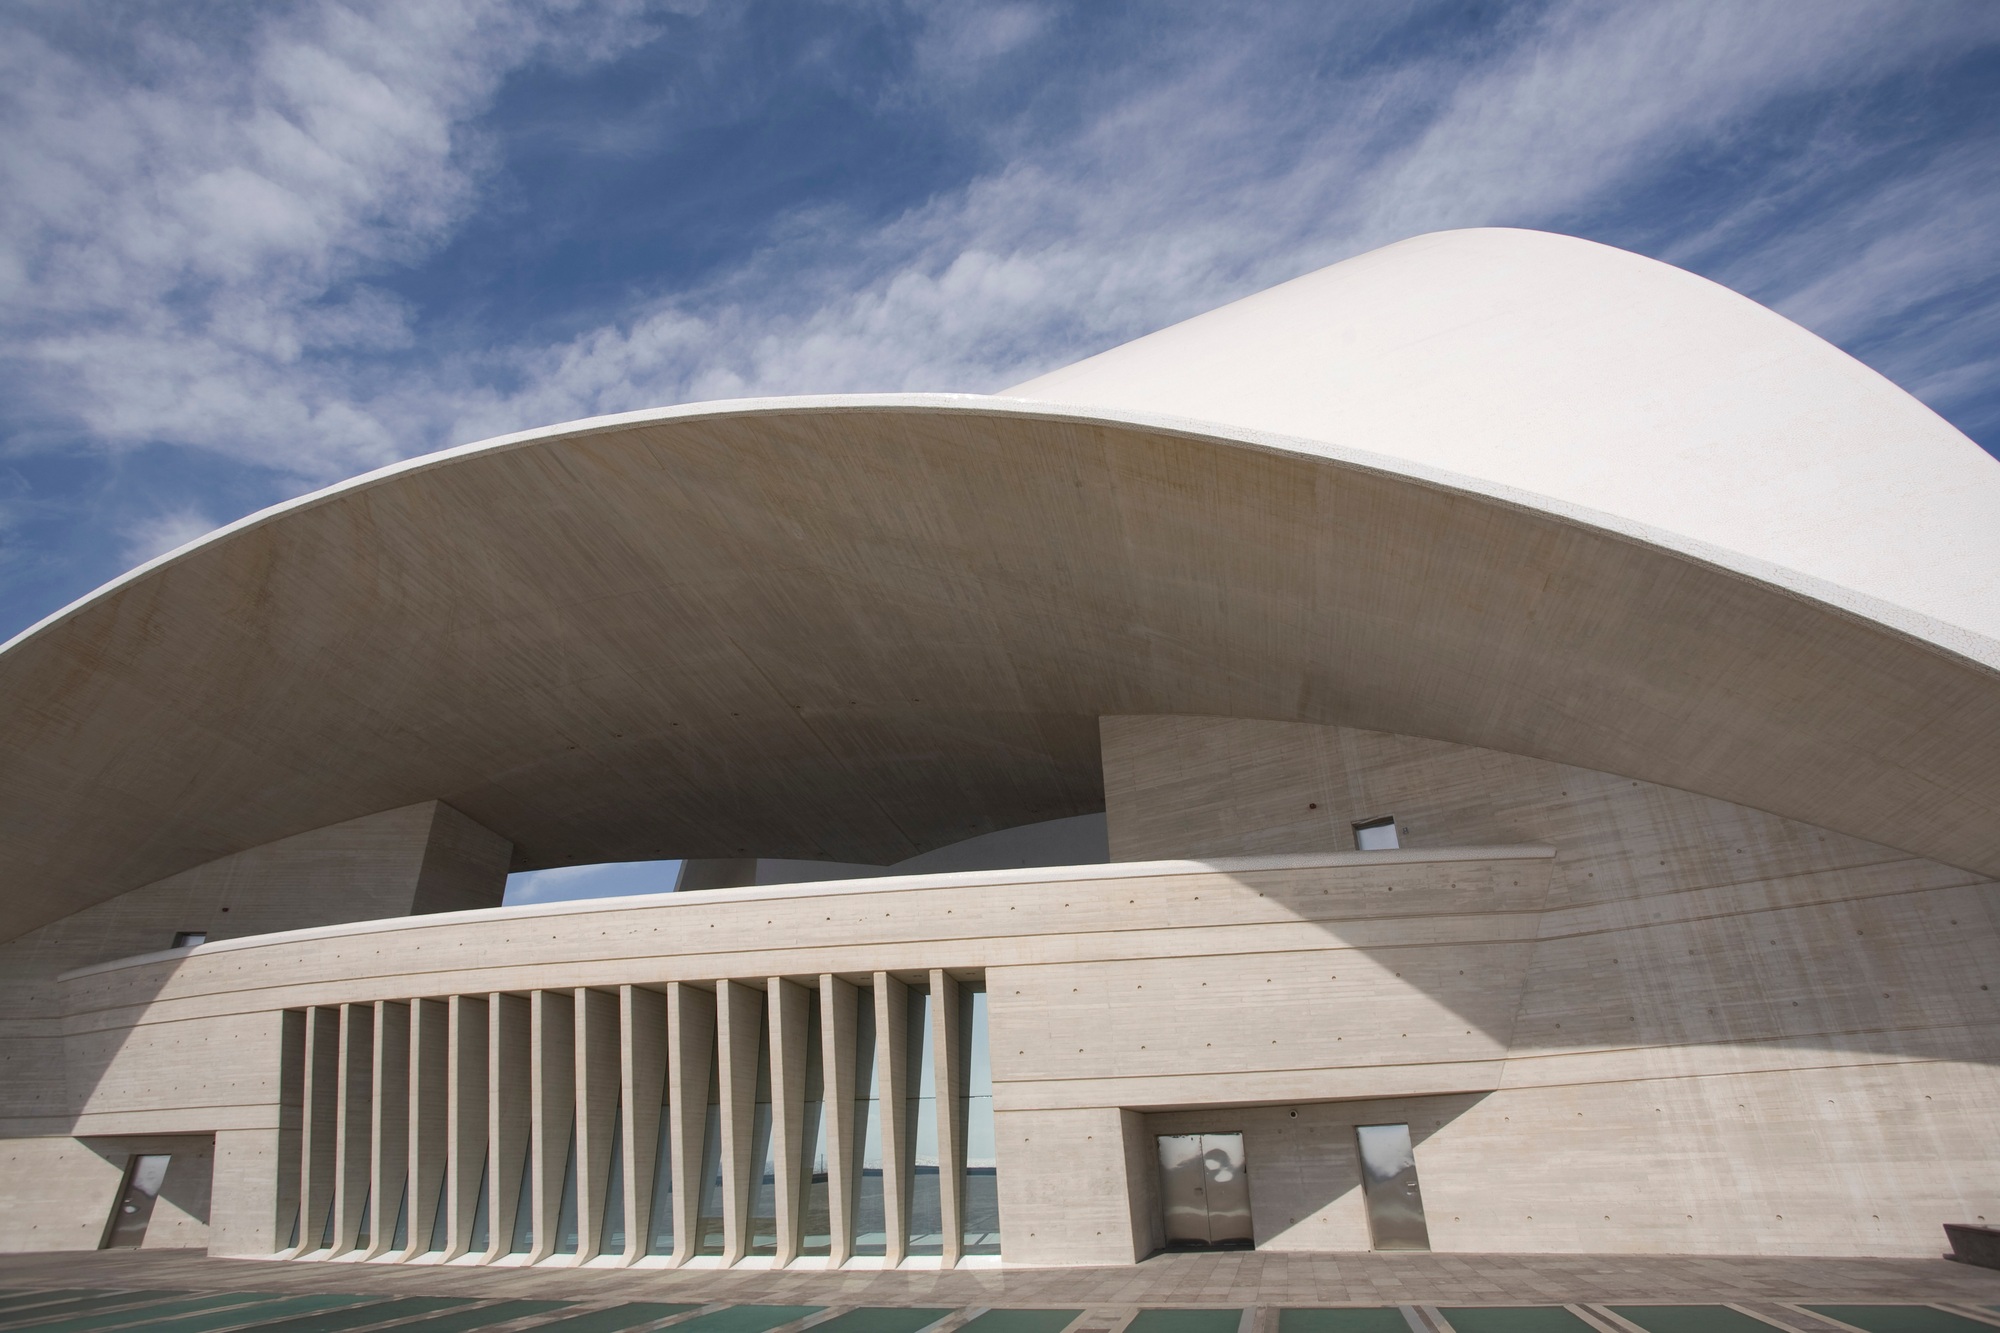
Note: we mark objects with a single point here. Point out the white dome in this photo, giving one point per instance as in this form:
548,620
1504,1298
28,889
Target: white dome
1601,379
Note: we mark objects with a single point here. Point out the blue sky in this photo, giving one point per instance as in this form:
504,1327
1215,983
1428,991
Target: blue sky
248,250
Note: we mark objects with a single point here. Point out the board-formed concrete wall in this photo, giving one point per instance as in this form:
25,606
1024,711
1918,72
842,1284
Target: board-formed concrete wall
425,857
1072,960
1737,1034
1617,1017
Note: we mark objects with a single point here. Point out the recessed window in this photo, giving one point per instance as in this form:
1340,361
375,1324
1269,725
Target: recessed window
187,939
1377,835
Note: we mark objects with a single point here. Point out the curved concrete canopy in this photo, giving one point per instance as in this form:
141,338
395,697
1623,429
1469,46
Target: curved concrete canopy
854,629
1592,375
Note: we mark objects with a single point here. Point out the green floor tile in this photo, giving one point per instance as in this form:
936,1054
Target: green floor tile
1901,1319
15,1300
613,1320
881,1319
103,1300
465,1321
1691,1319
1022,1321
264,1306
79,1303
1185,1321
149,1315
1377,1319
748,1318
1516,1319
332,1321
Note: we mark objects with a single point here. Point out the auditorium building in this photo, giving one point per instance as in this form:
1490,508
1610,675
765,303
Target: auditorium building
1491,746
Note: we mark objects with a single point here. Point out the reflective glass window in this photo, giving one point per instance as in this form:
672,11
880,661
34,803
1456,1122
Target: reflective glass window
815,1209
871,1235
611,1235
981,1193
763,1160
921,1151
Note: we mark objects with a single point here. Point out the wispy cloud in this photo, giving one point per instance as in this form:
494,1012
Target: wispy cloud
156,534
1191,185
191,218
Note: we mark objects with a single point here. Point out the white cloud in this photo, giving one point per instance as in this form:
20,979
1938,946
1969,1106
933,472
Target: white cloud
184,233
1188,189
156,534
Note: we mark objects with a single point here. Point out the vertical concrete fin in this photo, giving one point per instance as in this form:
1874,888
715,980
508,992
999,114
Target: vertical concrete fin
837,1006
357,1107
642,1085
789,1009
598,1077
691,1052
892,1055
948,1066
430,1117
552,1080
509,1092
739,1011
389,1124
470,1050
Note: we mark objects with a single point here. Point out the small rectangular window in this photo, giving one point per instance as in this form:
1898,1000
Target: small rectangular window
1377,835
187,939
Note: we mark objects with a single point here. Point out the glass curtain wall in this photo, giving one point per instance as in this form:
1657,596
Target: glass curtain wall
763,1161
660,1230
524,1210
566,1206
981,1192
921,1152
709,1231
611,1235
815,1209
441,1217
871,1235
399,1239
482,1209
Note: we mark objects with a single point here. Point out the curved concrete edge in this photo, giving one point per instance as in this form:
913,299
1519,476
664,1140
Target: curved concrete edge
1914,626
843,888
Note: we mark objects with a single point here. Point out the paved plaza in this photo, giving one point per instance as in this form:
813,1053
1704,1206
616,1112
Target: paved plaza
179,1291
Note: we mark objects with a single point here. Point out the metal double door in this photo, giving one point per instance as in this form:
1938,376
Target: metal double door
1205,1191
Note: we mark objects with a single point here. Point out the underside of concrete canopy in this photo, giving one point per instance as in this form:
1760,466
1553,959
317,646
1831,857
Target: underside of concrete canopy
855,629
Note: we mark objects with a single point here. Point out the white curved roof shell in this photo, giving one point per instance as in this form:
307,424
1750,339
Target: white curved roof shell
1600,378
857,628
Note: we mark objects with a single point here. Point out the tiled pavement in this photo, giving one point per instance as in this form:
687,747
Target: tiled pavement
167,1291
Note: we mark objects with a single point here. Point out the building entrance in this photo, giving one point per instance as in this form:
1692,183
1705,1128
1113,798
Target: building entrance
134,1209
1389,1180
1205,1191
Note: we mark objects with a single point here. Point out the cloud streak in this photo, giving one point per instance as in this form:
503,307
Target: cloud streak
192,222
1150,214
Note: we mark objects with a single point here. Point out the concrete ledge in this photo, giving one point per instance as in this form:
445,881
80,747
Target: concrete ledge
844,888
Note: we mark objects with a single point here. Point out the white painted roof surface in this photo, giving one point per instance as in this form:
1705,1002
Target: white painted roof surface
1602,379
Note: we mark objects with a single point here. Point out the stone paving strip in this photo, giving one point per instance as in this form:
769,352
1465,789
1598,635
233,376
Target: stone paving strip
186,1292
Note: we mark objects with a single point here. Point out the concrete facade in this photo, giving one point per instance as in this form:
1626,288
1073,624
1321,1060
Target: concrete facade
1616,1016
1690,944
